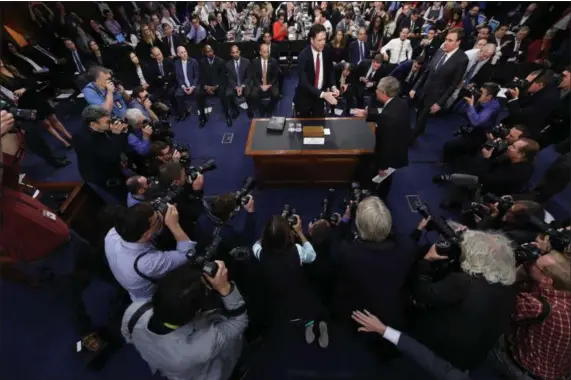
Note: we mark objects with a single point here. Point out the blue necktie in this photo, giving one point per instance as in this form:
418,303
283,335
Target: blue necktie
238,71
469,74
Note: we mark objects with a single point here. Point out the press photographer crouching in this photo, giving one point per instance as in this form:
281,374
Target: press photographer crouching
134,260
139,133
461,312
180,334
106,92
482,112
163,152
140,100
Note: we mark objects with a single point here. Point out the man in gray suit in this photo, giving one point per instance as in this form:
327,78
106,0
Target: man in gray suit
438,83
238,69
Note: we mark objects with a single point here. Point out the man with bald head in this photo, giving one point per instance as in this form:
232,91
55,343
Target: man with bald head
186,73
211,82
160,72
264,81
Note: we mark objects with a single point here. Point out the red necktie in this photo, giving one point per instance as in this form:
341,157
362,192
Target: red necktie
317,71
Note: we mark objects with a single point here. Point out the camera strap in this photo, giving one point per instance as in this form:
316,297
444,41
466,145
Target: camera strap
136,267
545,312
137,315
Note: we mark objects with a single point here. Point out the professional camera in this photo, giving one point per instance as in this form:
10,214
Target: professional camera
19,114
500,131
161,130
116,82
357,195
559,239
243,195
482,209
326,211
194,171
527,252
517,83
161,203
184,151
449,242
469,92
205,261
499,147
463,130
115,119
288,214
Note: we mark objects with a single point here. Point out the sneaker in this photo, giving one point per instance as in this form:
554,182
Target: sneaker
323,340
309,334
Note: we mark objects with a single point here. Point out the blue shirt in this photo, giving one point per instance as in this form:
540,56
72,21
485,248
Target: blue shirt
131,201
195,36
484,115
121,256
306,252
138,143
95,96
136,104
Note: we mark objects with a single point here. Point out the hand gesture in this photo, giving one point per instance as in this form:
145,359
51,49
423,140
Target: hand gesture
344,88
412,93
329,98
220,281
469,100
198,183
19,92
494,210
435,108
360,113
171,217
6,121
347,214
363,79
297,227
176,156
120,88
514,92
147,103
110,86
147,132
250,206
542,242
117,127
368,322
432,255
335,92
423,223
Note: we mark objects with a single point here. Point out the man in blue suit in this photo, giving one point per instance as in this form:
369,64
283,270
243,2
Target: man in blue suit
408,73
359,50
186,72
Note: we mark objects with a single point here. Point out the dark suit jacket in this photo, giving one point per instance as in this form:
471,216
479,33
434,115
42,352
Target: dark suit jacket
485,74
305,92
392,135
436,86
153,73
520,53
351,79
109,60
363,69
272,74
354,52
507,40
192,73
70,67
406,24
244,72
218,33
177,40
212,75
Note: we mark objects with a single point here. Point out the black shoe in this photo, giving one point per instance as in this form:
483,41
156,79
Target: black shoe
202,122
228,121
235,113
59,162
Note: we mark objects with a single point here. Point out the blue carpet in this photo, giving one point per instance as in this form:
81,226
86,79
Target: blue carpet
36,341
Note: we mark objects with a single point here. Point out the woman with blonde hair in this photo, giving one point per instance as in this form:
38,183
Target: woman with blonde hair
147,42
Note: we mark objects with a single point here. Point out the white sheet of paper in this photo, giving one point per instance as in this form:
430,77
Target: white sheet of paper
21,178
326,131
338,112
502,92
313,141
352,111
63,96
378,179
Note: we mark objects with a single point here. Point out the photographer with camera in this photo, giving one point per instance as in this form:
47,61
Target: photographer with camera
557,132
461,315
137,186
163,152
105,92
135,262
99,146
539,344
532,101
140,100
482,117
139,133
181,333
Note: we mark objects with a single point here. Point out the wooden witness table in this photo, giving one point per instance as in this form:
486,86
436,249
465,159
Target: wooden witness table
284,159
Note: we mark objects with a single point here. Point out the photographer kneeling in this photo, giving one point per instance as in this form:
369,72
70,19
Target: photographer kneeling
482,117
139,134
140,100
180,334
132,257
462,315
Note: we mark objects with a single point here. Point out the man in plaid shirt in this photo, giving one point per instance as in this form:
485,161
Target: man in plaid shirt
539,347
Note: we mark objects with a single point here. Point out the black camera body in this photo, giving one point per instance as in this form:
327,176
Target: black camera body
288,214
527,252
326,209
499,147
500,131
517,83
161,203
162,130
469,92
184,150
463,130
559,240
449,242
205,261
357,195
194,171
243,195
19,114
115,119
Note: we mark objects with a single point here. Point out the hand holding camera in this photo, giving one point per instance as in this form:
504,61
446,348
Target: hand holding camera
514,92
220,281
118,127
432,254
110,86
198,182
171,216
147,103
176,156
298,227
469,100
6,121
147,132
250,206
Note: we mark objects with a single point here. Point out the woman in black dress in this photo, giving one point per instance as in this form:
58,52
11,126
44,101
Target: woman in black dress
339,47
26,96
133,73
375,34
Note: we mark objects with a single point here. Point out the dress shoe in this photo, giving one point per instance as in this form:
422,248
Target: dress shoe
228,121
202,122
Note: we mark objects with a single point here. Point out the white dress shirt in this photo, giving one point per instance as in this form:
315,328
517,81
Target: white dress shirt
315,53
448,55
184,63
140,75
306,252
400,50
34,64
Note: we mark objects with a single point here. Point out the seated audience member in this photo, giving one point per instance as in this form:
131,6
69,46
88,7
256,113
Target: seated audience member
214,30
161,76
102,91
181,320
99,153
155,23
503,41
478,293
257,28
137,187
136,264
429,45
140,100
23,92
273,48
371,262
408,72
133,74
148,41
211,82
414,25
359,50
102,57
280,28
238,70
322,19
186,73
470,22
102,37
534,105
375,33
167,19
338,47
539,345
368,73
265,81
517,52
346,82
171,41
288,295
31,62
538,50
197,33
400,48
113,26
77,62
139,134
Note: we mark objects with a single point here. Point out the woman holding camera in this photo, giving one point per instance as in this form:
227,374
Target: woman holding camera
22,91
287,292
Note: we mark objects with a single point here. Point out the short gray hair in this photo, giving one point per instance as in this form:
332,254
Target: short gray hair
390,86
489,254
93,113
95,71
373,220
133,115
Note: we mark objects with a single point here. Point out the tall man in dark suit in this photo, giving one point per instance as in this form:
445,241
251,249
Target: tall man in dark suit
186,73
264,73
77,62
212,80
440,80
171,41
369,73
359,49
238,70
315,73
391,135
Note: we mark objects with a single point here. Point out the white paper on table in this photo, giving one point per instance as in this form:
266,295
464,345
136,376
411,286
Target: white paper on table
21,178
326,131
502,92
338,112
378,178
64,96
352,111
314,140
